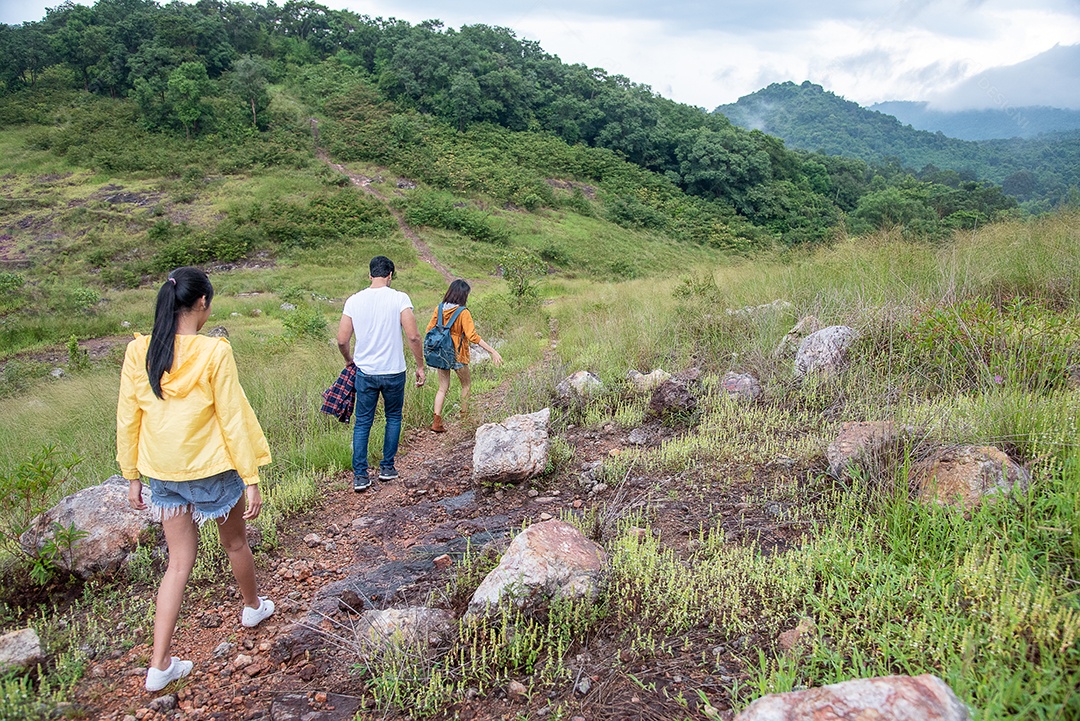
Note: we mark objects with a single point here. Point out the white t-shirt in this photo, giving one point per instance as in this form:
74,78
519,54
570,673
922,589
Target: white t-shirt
376,319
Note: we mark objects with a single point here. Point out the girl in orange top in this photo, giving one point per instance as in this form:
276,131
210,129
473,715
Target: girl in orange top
463,333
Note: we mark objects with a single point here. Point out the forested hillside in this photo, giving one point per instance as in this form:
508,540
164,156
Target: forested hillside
133,86
1043,172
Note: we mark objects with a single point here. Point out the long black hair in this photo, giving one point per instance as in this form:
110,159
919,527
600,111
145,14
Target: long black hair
457,293
178,294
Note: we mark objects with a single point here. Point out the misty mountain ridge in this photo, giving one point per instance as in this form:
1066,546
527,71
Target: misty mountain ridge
981,124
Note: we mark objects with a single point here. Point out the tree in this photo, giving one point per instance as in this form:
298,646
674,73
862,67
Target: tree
248,81
187,87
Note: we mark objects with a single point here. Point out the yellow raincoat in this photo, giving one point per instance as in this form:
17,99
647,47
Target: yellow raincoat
202,427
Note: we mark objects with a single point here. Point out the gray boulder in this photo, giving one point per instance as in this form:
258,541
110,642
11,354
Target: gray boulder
20,650
582,384
824,351
886,698
965,475
741,386
548,560
113,528
513,450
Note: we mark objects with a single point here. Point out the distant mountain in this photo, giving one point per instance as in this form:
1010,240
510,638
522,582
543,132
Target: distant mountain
1040,170
987,124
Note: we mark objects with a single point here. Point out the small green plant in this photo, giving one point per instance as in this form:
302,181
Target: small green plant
78,359
520,269
305,321
29,490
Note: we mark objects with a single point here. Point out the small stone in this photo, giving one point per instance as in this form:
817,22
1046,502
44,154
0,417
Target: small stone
312,540
129,717
308,672
516,689
578,503
223,649
533,493
97,672
598,488
638,534
265,646
210,620
125,324
242,660
57,373
256,312
583,685
443,561
545,516
162,704
320,697
287,306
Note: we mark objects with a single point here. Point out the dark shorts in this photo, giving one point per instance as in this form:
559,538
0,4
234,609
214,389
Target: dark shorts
204,498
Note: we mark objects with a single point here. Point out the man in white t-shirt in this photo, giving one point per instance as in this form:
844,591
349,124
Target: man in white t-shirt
376,317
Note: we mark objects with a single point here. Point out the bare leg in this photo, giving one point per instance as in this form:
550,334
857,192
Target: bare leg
182,538
444,387
466,387
233,535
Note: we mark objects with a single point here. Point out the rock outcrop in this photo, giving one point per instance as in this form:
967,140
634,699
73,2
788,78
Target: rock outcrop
548,560
824,351
102,512
965,475
886,698
513,450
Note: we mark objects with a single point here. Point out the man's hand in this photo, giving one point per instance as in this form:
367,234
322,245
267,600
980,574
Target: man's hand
420,376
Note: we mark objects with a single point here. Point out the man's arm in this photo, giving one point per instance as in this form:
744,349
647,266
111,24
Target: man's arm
344,335
412,334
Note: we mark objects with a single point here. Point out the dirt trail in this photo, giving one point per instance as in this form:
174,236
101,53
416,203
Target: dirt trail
364,183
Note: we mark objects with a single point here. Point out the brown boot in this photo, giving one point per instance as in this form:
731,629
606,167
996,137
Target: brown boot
437,425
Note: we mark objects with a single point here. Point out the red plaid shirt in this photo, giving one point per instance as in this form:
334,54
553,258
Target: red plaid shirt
339,399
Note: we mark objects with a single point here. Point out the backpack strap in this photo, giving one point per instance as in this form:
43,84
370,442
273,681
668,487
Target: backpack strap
453,317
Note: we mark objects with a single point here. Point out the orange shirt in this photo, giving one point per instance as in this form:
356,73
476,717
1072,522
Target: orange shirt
463,328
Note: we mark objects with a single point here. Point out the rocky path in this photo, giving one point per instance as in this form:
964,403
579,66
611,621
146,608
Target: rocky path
364,183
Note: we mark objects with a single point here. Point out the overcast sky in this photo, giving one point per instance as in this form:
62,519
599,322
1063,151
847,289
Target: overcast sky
955,53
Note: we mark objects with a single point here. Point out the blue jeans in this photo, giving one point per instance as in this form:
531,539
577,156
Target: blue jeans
368,388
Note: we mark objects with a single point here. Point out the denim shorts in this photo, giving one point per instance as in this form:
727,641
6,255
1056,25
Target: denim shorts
205,498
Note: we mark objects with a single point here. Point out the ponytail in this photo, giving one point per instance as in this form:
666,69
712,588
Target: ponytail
177,294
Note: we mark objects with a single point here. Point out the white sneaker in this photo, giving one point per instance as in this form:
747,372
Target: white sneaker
156,679
252,617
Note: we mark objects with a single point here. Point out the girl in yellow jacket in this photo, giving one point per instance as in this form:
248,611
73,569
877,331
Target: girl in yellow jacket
183,421
463,332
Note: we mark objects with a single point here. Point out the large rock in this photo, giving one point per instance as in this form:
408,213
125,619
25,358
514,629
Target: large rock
964,475
513,450
415,629
824,351
790,342
582,384
887,698
113,528
20,649
741,386
867,445
548,560
645,382
676,396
